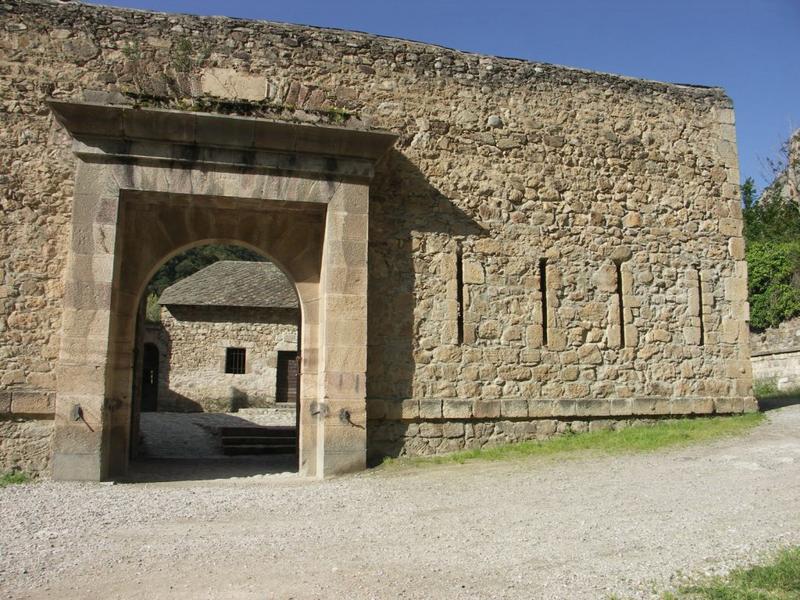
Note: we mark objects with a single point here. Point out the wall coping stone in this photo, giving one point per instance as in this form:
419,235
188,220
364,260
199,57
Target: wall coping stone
774,352
92,119
467,67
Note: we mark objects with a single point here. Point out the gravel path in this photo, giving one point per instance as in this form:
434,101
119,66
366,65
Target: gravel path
546,528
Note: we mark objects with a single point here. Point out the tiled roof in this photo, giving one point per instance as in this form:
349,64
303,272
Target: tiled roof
233,283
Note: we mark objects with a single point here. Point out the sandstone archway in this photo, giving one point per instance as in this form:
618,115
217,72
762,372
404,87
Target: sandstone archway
150,183
193,334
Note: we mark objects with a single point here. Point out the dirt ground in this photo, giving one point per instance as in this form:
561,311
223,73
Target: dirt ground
582,527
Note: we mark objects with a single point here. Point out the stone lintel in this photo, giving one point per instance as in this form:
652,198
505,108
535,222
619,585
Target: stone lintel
94,149
87,121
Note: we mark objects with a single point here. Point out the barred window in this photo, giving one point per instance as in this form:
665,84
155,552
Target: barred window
234,360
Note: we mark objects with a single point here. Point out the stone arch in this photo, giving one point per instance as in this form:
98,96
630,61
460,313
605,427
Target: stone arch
150,182
137,323
206,242
304,303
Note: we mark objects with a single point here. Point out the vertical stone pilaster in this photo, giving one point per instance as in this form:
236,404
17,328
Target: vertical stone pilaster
556,335
449,272
342,418
692,332
82,434
628,301
534,334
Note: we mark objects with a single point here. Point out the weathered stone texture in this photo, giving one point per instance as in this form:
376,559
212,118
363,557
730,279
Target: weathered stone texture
25,445
193,341
776,355
784,337
503,163
780,368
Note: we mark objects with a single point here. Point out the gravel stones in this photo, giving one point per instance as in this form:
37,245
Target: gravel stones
584,528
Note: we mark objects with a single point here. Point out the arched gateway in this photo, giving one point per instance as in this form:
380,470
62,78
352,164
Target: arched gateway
150,183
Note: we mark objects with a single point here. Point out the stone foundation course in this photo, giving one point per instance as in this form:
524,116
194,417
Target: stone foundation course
427,438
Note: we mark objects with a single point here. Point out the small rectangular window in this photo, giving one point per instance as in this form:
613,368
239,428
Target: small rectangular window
234,360
460,292
620,305
543,292
700,294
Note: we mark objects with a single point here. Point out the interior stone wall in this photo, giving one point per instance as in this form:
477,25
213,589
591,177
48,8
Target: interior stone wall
627,189
192,343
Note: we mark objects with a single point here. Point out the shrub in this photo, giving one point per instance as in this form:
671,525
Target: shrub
774,295
765,387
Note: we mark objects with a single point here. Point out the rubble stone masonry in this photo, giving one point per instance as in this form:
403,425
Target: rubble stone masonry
548,247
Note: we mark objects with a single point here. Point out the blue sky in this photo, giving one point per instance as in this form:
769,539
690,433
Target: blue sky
749,47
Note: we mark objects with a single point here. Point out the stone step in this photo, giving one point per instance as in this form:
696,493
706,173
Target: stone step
257,441
266,439
286,431
248,450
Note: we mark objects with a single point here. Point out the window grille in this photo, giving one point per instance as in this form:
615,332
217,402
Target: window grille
234,360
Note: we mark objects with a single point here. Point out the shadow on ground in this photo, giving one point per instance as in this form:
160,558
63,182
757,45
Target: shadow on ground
778,401
203,469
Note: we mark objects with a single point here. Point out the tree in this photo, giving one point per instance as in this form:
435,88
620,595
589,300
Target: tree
189,262
772,286
772,235
770,218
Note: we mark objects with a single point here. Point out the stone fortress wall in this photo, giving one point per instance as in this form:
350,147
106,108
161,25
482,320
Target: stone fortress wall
547,245
192,344
776,355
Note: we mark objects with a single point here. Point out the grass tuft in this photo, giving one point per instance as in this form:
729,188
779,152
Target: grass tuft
766,386
779,579
632,439
13,478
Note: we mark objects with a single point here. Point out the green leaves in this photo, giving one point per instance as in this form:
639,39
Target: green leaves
772,233
773,295
153,309
772,218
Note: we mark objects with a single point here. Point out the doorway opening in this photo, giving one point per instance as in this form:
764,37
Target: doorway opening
150,183
217,350
288,377
150,364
